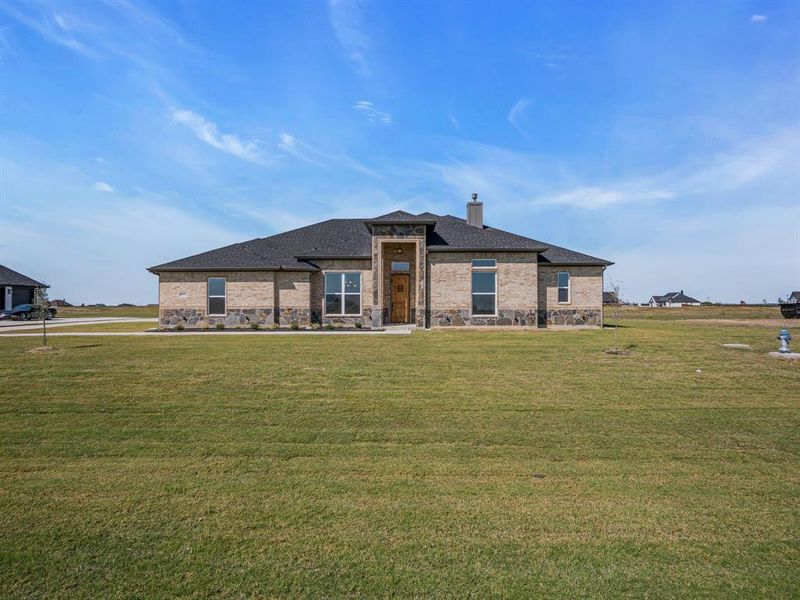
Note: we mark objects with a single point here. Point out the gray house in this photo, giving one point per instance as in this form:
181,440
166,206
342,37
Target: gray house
424,269
673,299
17,288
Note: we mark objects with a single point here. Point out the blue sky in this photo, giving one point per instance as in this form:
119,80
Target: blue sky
664,136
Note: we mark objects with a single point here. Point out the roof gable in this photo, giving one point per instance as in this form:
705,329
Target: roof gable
11,277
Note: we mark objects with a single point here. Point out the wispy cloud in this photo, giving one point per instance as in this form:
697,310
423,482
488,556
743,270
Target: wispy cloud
304,151
517,112
758,18
102,186
348,25
599,197
751,161
54,27
207,131
372,114
100,30
288,143
557,59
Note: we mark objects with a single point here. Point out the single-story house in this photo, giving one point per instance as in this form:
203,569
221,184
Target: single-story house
674,299
17,288
424,269
610,298
794,297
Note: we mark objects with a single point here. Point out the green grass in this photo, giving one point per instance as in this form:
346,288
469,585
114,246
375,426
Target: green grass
442,464
86,327
108,311
699,312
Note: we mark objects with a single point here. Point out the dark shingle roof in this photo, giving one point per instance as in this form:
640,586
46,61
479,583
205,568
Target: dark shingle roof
794,297
335,238
11,277
401,216
676,297
453,234
352,238
255,254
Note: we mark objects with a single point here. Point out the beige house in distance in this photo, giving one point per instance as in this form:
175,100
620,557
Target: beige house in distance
399,268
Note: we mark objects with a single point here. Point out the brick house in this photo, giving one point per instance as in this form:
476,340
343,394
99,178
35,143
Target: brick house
425,269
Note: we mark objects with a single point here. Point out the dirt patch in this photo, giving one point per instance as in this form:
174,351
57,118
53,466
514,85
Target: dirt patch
42,350
748,322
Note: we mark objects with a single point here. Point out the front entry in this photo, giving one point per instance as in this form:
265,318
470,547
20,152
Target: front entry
401,298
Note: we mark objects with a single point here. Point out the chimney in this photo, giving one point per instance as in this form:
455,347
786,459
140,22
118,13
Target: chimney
475,212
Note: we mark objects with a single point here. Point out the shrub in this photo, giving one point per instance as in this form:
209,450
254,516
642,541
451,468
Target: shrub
294,326
273,326
219,326
328,325
255,326
179,327
359,324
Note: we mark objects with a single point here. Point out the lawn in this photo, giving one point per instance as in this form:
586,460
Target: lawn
85,327
441,464
108,311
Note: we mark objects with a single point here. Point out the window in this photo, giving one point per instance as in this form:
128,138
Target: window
342,293
216,295
400,266
484,293
563,287
484,263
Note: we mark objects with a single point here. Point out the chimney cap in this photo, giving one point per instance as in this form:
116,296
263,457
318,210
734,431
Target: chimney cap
474,196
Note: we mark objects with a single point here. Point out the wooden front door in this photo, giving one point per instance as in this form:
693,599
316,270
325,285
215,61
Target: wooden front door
401,298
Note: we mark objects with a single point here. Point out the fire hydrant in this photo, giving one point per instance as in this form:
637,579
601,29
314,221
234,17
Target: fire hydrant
784,337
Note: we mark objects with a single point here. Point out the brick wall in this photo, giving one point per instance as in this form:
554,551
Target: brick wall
364,266
244,289
262,297
586,296
451,288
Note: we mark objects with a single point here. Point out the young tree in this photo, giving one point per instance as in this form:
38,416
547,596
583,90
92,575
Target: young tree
616,287
41,309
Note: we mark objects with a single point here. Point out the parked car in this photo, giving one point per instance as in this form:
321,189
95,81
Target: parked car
23,312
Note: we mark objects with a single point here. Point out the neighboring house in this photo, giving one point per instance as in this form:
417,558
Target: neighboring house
17,288
425,269
674,299
794,297
610,298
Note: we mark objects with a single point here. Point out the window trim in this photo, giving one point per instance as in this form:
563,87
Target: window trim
568,288
400,262
209,296
483,269
342,294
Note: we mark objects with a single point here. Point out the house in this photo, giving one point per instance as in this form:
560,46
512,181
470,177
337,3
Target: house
610,298
17,288
673,299
423,269
794,297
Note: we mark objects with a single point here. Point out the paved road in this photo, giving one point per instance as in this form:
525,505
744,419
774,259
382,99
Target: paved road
11,325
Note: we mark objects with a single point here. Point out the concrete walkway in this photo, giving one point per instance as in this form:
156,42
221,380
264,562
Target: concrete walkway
64,322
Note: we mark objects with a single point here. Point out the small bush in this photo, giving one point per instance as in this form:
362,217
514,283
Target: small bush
328,325
273,326
219,326
179,327
294,326
359,324
255,326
